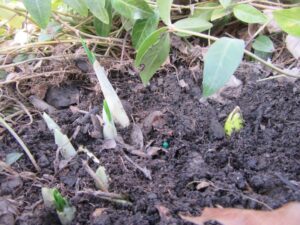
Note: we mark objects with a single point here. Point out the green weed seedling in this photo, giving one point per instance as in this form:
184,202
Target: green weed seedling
234,122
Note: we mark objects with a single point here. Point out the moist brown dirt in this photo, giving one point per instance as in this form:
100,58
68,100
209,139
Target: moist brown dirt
257,168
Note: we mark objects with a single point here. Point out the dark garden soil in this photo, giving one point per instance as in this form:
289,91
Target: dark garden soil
257,168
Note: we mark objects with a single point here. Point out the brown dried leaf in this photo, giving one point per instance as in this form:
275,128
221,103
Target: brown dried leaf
136,136
287,214
153,119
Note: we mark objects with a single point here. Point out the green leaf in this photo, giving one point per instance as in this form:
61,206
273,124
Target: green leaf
97,8
142,29
288,20
225,3
59,201
90,55
152,53
164,7
220,62
40,10
220,13
132,9
79,6
103,29
263,43
234,122
107,111
192,24
249,14
147,43
204,13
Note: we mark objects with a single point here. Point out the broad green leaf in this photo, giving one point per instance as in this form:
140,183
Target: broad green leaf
97,8
220,62
225,3
40,10
152,53
12,157
142,29
78,5
164,7
192,24
288,20
249,14
204,13
263,43
132,9
103,29
147,43
219,13
127,23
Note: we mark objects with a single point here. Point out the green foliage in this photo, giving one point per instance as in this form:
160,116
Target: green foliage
79,6
40,10
97,8
225,3
192,24
103,29
289,20
249,14
220,62
263,43
164,7
142,28
90,55
132,9
107,111
234,122
152,53
59,201
205,13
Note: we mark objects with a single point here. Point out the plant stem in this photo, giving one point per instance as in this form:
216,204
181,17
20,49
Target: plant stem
26,150
201,35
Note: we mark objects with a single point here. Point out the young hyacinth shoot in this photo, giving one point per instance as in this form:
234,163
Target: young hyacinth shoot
234,122
109,129
114,103
65,212
62,141
53,199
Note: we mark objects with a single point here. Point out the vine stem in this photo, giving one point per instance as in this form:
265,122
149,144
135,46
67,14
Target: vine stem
209,37
26,150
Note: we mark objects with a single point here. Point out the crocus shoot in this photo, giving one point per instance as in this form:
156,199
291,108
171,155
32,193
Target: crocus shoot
113,101
234,122
53,199
109,129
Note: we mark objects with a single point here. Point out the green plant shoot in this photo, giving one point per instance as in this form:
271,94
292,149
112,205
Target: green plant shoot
234,122
107,111
59,201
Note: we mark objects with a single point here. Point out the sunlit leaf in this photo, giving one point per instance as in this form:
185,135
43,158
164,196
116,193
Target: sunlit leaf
78,5
220,62
192,24
143,28
132,9
288,20
164,7
40,10
249,14
219,13
225,3
98,9
204,13
263,43
103,29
